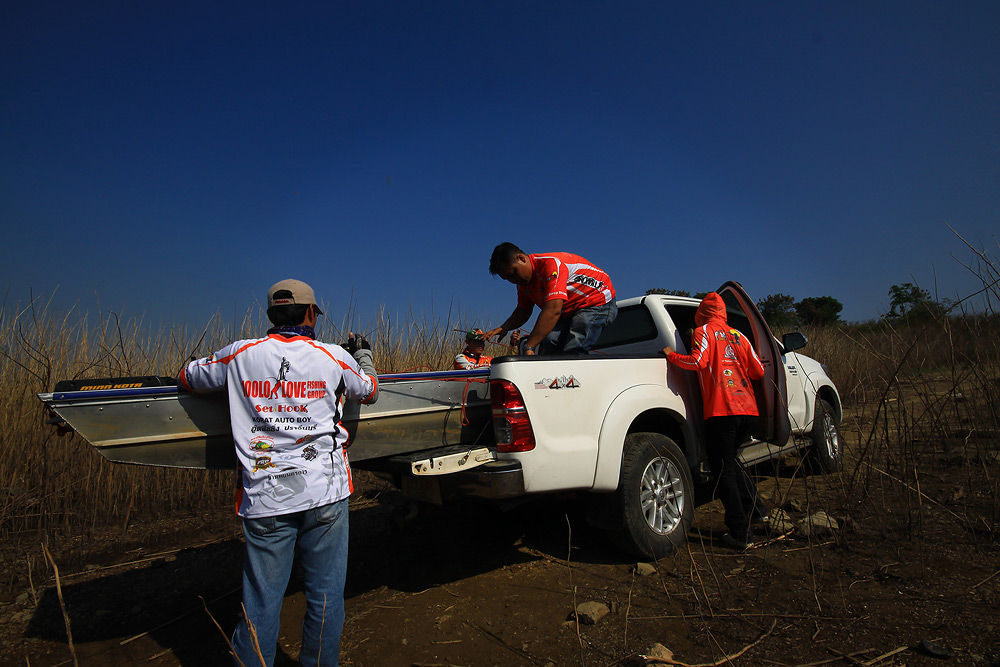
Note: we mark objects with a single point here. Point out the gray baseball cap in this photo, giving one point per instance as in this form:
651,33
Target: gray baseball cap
291,292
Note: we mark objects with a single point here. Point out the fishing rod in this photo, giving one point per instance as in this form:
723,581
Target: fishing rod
518,333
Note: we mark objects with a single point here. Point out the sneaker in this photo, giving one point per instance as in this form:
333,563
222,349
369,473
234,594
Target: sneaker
732,542
759,515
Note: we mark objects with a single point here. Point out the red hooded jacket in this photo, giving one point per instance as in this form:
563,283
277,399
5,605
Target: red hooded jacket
725,362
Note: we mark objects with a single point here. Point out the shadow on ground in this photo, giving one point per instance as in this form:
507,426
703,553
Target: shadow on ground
166,599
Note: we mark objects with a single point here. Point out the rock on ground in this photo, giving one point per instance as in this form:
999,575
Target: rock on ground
589,613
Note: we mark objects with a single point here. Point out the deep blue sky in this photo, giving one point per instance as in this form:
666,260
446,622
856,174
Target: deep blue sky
176,158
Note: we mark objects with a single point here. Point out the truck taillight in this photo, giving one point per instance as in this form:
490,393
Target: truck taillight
510,418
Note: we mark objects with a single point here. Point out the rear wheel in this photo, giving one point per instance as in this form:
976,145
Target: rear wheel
828,445
655,496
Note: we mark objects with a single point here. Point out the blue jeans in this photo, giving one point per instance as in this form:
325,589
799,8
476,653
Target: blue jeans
579,332
321,534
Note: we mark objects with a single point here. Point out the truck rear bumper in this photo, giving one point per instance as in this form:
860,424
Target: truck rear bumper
496,480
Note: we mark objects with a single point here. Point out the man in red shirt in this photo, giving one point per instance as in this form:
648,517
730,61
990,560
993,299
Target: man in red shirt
726,363
576,298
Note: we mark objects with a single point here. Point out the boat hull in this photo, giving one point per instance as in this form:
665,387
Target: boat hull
166,426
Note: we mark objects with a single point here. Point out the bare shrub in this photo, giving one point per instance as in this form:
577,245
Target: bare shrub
921,396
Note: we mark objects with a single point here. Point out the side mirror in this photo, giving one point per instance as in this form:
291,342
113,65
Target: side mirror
793,341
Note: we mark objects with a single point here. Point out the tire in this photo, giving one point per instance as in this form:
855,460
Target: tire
655,496
827,450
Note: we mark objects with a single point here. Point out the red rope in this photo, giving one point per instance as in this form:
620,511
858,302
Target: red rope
465,396
465,400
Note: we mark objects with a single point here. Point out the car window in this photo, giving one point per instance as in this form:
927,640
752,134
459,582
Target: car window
633,324
682,316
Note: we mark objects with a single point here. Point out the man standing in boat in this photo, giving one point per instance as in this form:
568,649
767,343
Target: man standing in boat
576,298
285,410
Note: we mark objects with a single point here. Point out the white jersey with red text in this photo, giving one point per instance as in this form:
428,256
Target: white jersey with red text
285,406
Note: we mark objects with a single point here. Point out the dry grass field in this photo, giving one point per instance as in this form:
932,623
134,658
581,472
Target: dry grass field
55,490
916,558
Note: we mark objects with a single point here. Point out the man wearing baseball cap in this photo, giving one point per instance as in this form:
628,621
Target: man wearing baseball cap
285,393
472,356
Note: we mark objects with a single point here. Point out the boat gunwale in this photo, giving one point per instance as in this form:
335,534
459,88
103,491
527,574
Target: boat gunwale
153,439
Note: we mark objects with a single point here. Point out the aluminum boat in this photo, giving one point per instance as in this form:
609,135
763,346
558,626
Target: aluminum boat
152,421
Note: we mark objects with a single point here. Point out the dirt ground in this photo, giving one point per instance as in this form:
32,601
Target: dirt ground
470,586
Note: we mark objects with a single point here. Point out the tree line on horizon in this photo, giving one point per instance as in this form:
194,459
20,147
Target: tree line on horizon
907,302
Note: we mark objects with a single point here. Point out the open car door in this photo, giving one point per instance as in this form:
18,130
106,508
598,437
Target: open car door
772,394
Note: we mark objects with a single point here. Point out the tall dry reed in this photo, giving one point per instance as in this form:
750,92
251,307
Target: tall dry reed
922,396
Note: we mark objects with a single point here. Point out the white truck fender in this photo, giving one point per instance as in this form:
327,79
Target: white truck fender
816,385
661,406
825,390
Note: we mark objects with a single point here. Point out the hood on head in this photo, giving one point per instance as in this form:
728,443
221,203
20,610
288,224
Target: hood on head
711,308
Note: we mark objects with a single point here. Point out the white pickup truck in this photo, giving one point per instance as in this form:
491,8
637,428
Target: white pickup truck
625,429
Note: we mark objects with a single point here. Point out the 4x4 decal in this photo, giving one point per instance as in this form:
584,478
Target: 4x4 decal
561,382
